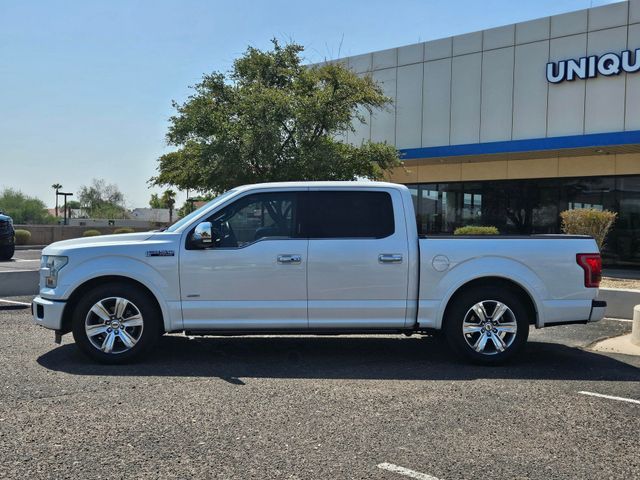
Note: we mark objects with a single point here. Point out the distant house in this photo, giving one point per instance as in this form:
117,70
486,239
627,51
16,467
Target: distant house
152,215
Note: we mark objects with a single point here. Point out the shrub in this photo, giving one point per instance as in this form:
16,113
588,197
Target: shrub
22,237
476,230
91,233
120,230
587,221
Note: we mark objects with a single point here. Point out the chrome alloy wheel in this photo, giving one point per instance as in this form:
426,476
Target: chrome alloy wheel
489,327
114,325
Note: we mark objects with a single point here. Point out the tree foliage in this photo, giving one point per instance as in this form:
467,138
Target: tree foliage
155,202
102,200
273,119
167,200
588,221
476,230
24,209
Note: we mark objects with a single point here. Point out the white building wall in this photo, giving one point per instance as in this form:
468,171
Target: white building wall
436,104
409,105
565,114
491,85
632,116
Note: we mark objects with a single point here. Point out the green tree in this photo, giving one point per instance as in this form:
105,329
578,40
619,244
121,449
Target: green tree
169,199
102,200
273,119
155,201
23,208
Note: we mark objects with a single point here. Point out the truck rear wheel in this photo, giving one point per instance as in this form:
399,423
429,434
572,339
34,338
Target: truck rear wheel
114,323
7,251
487,325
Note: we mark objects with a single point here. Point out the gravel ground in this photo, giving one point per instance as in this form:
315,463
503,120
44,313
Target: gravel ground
610,282
316,408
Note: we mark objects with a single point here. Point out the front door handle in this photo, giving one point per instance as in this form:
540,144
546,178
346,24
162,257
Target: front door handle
390,258
289,259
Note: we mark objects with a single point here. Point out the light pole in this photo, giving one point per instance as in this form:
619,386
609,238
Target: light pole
57,187
190,201
65,195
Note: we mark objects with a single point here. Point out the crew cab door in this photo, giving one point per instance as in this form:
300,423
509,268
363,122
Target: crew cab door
254,275
358,259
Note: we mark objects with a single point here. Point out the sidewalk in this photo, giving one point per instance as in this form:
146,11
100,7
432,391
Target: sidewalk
620,278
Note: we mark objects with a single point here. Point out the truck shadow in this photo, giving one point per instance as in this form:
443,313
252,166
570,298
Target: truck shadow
375,358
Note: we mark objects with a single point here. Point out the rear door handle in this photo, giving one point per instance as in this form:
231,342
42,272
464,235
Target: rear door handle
390,258
289,259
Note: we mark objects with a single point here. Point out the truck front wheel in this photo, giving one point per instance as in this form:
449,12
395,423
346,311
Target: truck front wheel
114,323
487,325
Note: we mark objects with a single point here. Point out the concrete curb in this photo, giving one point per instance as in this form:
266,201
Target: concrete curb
30,247
621,344
620,302
635,328
19,283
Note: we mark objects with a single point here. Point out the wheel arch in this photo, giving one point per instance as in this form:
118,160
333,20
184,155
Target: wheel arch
85,287
499,282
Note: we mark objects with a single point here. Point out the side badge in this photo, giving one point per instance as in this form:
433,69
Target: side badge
160,253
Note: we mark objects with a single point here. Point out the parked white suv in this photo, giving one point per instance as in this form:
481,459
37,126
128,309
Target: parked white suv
313,257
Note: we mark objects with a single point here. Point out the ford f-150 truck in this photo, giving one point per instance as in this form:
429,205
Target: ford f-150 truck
314,258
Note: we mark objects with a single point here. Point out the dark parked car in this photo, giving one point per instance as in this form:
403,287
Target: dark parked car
7,237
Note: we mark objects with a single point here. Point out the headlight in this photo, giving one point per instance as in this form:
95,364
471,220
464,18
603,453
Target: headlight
51,265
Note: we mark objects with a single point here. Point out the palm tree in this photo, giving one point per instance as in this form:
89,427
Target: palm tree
169,199
56,187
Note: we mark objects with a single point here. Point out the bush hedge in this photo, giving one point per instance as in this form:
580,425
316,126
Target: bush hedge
588,221
91,233
22,237
120,230
476,230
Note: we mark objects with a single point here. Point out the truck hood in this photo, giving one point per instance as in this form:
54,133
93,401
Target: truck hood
58,248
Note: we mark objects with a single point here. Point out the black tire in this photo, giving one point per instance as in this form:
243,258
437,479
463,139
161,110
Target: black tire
511,342
7,251
146,334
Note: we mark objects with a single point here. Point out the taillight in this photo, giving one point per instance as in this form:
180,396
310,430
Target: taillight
591,263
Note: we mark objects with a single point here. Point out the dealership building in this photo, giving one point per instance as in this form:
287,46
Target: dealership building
512,125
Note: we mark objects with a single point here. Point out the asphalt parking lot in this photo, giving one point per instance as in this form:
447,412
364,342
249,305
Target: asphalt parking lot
385,407
22,260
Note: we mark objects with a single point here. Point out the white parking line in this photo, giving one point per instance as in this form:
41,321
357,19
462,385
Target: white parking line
14,302
611,397
405,471
619,319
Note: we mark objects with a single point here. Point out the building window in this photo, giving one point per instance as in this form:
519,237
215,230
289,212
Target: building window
524,207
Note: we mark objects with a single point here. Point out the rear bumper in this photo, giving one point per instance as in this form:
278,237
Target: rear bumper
598,308
568,312
6,240
47,313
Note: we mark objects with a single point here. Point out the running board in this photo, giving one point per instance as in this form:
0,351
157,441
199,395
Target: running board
323,331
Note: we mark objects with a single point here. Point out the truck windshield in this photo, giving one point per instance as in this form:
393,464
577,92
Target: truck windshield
196,213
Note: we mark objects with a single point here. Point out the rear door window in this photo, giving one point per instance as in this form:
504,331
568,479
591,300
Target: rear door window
348,214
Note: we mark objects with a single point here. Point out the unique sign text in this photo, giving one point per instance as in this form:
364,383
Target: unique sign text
606,65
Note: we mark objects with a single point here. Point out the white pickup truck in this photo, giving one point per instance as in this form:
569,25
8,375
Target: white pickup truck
313,258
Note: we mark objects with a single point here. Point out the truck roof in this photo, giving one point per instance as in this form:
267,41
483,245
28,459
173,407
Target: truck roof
331,184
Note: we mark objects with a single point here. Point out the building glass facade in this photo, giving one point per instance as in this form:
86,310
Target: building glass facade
523,207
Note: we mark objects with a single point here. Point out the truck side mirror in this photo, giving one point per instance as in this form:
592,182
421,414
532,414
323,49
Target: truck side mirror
202,236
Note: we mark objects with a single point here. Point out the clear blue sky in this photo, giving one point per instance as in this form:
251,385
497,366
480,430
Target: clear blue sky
86,85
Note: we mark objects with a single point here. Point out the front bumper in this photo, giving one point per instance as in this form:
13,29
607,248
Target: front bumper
47,313
598,308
